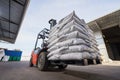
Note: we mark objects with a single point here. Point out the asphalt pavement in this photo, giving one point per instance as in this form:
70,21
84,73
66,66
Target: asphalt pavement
21,71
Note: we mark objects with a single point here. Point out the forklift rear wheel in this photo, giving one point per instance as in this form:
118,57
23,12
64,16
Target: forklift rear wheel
42,61
30,63
62,66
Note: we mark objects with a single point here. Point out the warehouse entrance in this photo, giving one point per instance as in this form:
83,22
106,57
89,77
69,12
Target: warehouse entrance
112,40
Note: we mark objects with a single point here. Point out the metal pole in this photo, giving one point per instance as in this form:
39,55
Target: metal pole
36,42
43,38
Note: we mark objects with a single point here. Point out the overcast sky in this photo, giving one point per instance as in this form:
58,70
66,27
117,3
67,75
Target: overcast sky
39,12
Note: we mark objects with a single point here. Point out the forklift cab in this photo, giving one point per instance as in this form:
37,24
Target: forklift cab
40,45
34,55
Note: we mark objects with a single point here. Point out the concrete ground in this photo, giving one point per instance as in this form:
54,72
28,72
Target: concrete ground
106,71
21,71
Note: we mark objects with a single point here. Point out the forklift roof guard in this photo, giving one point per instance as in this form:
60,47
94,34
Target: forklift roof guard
42,35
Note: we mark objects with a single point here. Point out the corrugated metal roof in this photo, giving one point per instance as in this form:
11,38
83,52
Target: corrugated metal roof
11,15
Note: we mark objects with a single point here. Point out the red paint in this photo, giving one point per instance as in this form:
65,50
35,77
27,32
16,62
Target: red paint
34,58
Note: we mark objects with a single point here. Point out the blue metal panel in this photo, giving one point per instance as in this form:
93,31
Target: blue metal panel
13,53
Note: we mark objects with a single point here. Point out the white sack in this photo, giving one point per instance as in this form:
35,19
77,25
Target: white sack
57,51
69,49
66,20
53,42
78,48
54,57
2,53
52,33
74,23
93,55
95,48
5,58
67,31
73,41
53,38
74,56
71,56
74,34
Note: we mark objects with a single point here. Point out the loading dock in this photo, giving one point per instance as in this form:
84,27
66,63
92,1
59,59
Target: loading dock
11,16
112,41
107,32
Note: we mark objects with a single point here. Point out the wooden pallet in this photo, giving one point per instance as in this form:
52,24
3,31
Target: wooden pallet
91,61
84,62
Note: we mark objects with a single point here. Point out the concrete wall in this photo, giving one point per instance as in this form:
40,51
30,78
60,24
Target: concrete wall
102,46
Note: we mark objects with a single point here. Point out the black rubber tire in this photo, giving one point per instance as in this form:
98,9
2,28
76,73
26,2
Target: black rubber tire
62,67
42,61
30,63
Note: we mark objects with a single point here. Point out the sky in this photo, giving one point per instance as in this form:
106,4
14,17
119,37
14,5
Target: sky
39,12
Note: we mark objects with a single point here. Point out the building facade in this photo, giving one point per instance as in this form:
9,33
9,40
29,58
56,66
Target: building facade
107,33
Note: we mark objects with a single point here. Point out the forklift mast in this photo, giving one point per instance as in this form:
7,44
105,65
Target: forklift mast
44,34
52,23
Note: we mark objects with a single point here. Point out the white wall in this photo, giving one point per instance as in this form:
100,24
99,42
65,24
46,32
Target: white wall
25,58
102,46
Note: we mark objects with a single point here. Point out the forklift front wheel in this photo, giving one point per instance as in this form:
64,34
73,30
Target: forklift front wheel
42,61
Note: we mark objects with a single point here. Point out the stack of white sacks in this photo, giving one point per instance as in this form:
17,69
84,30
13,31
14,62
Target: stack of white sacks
72,39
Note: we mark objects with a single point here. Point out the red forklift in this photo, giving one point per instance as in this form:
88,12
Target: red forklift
39,54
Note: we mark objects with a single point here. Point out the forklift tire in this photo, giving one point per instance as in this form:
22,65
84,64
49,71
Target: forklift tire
42,61
30,63
62,67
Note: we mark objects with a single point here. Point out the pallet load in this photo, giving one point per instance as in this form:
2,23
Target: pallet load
72,39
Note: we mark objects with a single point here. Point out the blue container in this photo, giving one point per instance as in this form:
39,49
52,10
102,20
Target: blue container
13,53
